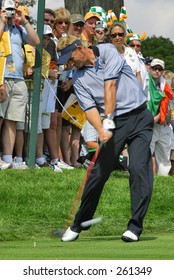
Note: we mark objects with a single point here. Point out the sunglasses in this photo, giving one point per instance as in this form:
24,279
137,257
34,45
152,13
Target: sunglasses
135,45
119,34
49,20
61,22
155,68
79,24
99,32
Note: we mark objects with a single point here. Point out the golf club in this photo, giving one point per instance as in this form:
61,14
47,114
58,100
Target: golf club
60,232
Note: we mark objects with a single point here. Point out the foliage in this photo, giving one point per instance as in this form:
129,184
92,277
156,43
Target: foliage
83,6
29,3
159,47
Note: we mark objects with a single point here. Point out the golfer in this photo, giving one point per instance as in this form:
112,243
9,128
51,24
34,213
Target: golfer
115,104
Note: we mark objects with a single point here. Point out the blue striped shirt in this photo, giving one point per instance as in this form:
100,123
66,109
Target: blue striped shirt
89,81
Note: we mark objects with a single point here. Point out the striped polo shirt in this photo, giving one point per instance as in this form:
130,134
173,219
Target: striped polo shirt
109,64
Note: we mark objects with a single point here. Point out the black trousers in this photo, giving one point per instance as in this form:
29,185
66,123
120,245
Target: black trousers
135,129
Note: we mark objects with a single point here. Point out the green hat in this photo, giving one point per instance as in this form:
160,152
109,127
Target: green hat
102,13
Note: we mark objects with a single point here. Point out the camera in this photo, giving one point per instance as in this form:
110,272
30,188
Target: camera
99,25
10,13
9,7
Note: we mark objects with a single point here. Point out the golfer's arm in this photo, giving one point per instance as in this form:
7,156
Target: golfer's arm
110,96
94,118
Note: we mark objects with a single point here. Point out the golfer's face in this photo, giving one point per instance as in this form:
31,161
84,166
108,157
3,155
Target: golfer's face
77,58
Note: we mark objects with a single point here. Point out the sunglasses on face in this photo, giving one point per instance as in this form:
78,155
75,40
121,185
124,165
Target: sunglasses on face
119,34
61,22
155,68
49,20
135,45
79,24
100,32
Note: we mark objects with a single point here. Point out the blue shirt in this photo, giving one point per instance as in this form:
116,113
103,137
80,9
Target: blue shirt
89,81
17,57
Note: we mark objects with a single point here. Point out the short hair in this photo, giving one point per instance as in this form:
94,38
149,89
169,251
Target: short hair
62,13
50,11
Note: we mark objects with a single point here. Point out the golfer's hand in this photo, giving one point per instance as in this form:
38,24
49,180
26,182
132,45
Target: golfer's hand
108,124
104,135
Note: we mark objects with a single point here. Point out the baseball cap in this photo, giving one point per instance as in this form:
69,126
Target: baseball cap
47,30
76,18
90,15
25,10
148,59
65,53
9,4
157,61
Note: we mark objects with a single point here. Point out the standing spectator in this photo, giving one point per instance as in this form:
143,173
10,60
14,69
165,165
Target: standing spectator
76,25
169,77
15,106
117,35
106,88
51,133
135,42
158,103
70,136
147,61
88,34
61,25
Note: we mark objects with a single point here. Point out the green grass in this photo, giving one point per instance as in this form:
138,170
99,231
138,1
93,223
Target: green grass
36,202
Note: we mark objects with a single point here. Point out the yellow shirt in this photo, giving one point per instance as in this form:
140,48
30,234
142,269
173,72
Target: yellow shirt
30,61
5,50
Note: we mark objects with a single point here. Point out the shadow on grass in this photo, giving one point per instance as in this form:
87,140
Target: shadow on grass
113,238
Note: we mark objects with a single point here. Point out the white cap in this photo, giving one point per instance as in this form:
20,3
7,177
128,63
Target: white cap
48,30
157,61
9,4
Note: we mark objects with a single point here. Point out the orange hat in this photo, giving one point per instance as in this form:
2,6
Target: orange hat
25,10
90,15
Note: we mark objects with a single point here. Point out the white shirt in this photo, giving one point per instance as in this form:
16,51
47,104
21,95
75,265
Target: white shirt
132,59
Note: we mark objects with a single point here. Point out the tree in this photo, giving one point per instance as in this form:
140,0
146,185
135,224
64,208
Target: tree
28,2
83,6
160,47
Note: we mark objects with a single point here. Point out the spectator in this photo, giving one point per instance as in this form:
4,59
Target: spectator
158,102
70,136
76,25
111,89
88,34
117,36
19,149
14,108
50,89
147,61
135,42
169,77
61,25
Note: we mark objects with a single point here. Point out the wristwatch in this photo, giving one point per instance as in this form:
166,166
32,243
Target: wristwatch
109,116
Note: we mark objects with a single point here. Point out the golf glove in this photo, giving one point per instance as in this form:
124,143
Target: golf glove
108,122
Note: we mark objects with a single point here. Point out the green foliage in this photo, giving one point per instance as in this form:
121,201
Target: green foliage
29,3
159,47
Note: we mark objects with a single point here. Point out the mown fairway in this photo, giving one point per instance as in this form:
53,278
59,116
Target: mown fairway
36,202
